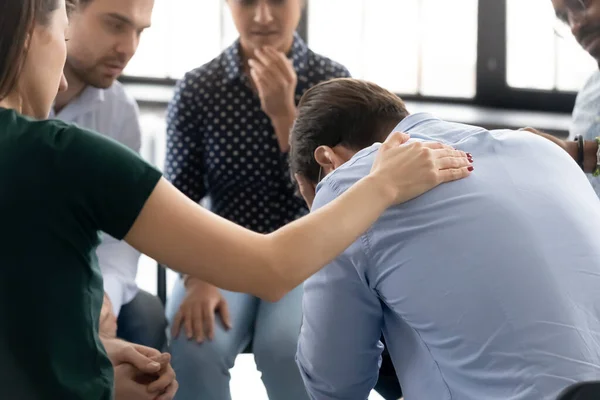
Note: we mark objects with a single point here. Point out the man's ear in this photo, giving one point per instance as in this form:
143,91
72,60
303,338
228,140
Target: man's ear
324,156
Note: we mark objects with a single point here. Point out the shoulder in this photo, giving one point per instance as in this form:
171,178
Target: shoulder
589,93
198,85
206,76
118,116
592,82
353,170
22,130
46,137
326,67
119,98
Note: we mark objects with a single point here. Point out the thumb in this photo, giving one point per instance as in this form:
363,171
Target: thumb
397,139
140,361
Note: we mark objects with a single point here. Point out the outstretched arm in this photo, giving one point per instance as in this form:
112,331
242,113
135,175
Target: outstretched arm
174,230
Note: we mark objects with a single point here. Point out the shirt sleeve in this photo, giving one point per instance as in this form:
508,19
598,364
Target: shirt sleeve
106,183
184,165
339,347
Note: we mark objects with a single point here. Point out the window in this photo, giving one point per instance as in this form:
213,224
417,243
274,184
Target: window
185,34
408,46
558,63
414,47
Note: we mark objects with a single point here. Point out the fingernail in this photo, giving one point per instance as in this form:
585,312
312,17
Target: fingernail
470,160
470,169
469,155
154,365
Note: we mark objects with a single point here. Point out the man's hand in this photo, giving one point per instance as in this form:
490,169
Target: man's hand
197,311
108,320
275,80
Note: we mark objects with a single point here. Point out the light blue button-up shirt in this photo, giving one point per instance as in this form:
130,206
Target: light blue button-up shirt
115,114
586,116
487,288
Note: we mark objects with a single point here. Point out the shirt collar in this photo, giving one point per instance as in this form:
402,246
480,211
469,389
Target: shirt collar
86,101
413,120
233,60
404,126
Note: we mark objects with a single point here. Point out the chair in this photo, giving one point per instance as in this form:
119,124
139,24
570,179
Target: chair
581,391
161,283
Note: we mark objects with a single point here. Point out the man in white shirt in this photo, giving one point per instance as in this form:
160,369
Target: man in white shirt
583,18
104,35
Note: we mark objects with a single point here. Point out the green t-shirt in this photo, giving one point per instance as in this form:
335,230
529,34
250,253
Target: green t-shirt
59,186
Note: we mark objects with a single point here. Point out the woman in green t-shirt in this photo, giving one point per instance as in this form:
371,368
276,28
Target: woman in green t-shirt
61,185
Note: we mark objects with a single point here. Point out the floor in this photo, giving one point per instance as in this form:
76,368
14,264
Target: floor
246,383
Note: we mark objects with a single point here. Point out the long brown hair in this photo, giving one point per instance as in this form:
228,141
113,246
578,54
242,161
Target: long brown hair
17,19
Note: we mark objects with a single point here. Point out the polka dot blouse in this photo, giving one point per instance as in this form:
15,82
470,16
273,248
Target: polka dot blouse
221,144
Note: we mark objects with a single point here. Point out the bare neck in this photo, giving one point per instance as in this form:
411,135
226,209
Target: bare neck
12,102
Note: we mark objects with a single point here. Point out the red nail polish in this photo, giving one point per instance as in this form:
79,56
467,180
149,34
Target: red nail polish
469,155
470,169
470,160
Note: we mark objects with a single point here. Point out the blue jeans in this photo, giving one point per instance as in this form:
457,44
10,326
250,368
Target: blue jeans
273,328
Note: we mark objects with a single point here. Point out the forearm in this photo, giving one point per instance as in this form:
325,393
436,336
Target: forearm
302,248
283,126
191,240
190,280
271,265
590,158
590,148
332,363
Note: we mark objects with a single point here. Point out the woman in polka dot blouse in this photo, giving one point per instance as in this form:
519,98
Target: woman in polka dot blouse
228,128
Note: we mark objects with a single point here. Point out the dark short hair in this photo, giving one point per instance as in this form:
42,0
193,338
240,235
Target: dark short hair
17,19
350,112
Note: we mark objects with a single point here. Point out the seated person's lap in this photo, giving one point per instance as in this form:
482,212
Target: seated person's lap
143,321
